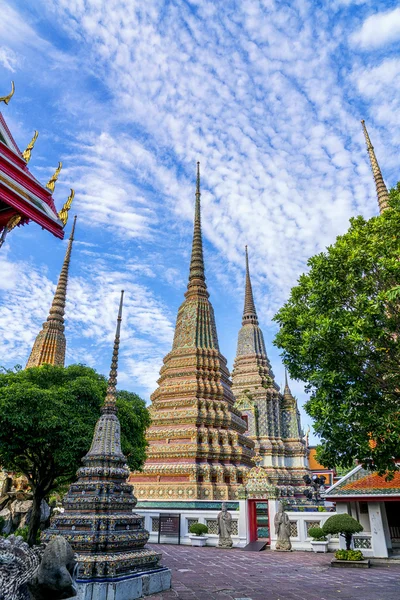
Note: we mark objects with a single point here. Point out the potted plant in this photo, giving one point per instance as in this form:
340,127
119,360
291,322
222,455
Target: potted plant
197,533
319,543
344,525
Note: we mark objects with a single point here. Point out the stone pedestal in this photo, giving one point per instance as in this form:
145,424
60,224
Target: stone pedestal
127,588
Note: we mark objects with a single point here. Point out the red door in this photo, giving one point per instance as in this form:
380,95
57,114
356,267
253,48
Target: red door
257,511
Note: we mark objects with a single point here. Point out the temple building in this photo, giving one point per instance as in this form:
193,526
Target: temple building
273,418
197,443
22,197
98,520
50,344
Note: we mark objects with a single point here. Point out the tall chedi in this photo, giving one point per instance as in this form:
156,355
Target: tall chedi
98,519
50,344
272,418
381,189
197,447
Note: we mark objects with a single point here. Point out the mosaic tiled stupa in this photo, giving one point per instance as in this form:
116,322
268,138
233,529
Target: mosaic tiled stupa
197,447
273,419
50,345
98,520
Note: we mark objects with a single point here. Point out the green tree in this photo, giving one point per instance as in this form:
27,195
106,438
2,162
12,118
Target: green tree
339,333
47,419
343,524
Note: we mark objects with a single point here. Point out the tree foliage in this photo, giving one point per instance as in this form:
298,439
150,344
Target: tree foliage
47,420
341,523
339,333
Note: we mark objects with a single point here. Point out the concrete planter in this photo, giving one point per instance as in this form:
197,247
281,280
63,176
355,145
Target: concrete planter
351,564
320,546
198,540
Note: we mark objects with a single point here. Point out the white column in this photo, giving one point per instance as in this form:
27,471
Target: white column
273,506
378,539
386,526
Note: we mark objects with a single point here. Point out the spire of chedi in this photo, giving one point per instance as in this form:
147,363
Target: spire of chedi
50,344
198,330
197,447
249,310
98,518
197,277
381,189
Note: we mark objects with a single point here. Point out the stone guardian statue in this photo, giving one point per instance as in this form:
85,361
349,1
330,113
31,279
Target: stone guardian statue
282,529
224,521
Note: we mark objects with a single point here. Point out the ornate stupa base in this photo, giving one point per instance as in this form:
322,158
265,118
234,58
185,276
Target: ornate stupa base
130,587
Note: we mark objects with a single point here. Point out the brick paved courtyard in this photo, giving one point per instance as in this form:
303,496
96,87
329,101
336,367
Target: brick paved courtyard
207,573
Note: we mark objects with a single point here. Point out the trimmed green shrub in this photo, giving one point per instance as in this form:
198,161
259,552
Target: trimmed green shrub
317,534
198,529
343,524
349,555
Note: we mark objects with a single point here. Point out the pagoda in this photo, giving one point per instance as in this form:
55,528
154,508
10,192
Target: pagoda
273,419
50,344
197,444
381,189
98,519
22,197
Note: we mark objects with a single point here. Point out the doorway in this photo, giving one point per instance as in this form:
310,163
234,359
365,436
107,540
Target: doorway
393,517
258,520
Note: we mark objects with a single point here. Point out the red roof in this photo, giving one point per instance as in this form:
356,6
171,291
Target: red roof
374,482
20,192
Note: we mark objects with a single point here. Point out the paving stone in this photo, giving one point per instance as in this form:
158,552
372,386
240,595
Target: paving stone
216,574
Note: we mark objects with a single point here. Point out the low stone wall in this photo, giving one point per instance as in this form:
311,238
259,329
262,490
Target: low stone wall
196,512
300,524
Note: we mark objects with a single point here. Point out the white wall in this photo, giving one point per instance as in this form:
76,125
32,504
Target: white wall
301,541
239,540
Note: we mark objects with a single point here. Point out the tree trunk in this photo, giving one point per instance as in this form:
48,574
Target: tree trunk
348,537
34,523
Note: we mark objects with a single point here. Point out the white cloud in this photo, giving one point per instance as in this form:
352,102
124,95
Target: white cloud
260,92
91,311
378,30
8,59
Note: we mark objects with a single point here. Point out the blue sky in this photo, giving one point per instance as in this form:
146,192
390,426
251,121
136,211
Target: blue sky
268,95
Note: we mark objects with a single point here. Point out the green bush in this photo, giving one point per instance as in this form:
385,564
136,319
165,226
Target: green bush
321,509
349,555
198,529
317,534
343,524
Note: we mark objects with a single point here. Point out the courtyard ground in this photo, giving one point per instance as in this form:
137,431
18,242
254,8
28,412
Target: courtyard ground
208,573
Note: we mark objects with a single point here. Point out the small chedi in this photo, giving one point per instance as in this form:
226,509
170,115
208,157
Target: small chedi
99,521
197,443
273,418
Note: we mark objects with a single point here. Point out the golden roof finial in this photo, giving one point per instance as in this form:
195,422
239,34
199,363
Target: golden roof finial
6,99
52,181
26,155
63,214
